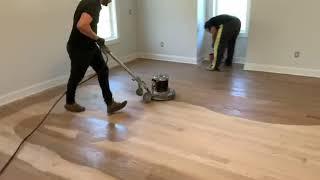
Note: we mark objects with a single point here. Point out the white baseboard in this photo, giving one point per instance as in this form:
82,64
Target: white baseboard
282,70
40,87
36,88
170,58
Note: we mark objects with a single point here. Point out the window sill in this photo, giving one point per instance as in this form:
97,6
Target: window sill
112,41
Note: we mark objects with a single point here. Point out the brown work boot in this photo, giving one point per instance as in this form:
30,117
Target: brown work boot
116,106
74,108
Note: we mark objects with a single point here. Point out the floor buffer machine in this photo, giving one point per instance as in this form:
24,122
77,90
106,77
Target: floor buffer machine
159,91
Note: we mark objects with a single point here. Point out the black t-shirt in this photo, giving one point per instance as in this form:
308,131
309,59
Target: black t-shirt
219,20
77,39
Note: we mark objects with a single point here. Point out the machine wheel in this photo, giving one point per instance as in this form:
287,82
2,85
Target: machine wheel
139,91
147,97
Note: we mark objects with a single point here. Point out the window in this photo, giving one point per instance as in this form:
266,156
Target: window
107,26
238,8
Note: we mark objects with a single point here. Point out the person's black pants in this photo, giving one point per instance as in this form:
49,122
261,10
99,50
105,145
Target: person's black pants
80,61
228,38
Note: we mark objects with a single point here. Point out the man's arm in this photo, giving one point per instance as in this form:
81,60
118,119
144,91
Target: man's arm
84,27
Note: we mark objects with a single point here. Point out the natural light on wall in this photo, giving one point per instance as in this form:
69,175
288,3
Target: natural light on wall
238,8
107,26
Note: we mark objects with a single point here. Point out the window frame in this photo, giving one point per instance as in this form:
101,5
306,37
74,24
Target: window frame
114,23
213,9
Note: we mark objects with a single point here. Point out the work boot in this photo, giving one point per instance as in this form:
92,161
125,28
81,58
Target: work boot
210,68
74,108
116,106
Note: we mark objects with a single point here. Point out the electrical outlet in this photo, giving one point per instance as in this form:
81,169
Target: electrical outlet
297,54
162,44
130,12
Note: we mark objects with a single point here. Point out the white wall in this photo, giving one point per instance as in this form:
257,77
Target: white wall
278,28
127,25
201,19
173,22
33,37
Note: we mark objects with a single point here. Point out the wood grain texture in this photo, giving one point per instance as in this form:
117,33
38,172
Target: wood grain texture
232,125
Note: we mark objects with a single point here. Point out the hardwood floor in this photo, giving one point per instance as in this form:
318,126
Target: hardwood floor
232,125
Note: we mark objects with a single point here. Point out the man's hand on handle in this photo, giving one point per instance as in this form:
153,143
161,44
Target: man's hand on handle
102,45
101,42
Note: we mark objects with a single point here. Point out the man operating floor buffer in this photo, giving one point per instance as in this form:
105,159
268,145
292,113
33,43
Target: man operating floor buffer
160,90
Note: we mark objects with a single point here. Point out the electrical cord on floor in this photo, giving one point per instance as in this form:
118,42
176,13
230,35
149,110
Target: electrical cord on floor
24,140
